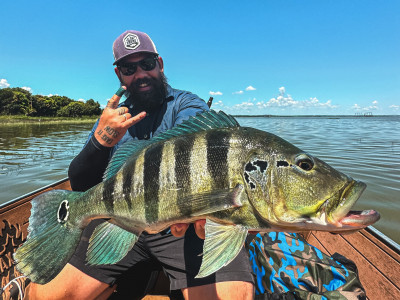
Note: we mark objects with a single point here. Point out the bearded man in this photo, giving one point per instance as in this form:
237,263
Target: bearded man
150,108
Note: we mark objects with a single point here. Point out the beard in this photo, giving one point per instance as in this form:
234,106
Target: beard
148,101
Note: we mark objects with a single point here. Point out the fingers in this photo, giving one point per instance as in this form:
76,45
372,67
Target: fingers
113,102
129,120
199,227
179,229
122,110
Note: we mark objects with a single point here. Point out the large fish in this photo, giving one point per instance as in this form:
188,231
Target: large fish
238,178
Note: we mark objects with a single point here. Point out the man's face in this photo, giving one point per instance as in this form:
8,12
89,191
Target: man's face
146,88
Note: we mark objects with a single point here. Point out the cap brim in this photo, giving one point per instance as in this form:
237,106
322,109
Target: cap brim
121,58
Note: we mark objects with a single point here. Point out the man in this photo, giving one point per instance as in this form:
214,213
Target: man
151,107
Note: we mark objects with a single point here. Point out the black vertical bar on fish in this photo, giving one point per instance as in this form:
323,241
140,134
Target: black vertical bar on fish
127,184
151,177
108,194
183,149
217,156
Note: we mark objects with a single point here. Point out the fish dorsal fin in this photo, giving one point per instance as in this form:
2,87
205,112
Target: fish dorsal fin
122,154
201,122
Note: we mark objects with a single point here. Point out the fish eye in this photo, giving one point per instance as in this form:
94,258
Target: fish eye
304,162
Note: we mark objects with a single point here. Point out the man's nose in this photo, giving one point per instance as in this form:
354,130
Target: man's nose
140,73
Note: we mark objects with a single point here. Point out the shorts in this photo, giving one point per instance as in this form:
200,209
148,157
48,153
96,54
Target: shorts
180,258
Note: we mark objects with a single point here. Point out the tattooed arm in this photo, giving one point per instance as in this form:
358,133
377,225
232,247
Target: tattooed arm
87,168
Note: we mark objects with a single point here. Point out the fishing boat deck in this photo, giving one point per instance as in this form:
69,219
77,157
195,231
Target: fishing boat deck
376,256
378,263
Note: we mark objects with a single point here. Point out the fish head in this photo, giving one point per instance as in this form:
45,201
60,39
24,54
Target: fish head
294,191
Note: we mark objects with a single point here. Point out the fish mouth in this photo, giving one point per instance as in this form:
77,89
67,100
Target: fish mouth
343,217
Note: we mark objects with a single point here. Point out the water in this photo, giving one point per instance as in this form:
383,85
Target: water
35,155
367,149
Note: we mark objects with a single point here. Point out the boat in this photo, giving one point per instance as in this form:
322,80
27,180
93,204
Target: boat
377,256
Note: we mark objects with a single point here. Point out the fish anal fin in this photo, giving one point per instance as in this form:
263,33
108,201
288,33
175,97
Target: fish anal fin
222,244
109,244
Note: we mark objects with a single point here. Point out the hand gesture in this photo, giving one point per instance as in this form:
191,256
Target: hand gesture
115,121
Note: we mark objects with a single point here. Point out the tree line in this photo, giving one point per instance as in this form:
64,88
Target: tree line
17,101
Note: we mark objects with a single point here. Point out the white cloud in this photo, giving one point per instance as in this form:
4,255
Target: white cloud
250,88
373,106
82,100
215,93
238,92
27,88
282,102
4,83
395,107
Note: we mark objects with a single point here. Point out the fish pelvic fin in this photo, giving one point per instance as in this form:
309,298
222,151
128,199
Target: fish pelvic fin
109,244
222,244
201,122
52,237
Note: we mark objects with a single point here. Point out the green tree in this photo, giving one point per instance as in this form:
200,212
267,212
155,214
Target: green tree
92,108
61,101
20,103
17,101
45,106
73,109
6,96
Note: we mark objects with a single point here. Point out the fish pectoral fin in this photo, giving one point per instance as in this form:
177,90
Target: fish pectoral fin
216,200
109,244
222,244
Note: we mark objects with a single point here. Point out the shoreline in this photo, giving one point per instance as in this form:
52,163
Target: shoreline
15,120
314,116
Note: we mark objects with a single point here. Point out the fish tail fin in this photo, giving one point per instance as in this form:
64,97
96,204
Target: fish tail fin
52,236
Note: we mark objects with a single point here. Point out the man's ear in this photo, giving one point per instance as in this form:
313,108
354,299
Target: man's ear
161,63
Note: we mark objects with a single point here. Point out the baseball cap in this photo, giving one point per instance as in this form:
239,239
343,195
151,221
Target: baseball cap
132,41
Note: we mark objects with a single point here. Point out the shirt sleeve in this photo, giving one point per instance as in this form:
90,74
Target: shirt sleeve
189,105
87,168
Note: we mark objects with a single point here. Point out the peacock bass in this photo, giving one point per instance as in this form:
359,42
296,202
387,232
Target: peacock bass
208,167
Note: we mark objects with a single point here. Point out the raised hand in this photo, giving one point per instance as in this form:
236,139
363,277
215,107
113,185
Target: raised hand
115,121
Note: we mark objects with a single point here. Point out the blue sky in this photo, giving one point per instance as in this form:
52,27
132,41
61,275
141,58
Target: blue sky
254,57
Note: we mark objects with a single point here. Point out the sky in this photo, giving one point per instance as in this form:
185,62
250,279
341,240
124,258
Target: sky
278,57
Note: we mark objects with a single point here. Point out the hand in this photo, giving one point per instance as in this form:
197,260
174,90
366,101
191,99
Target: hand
115,121
179,229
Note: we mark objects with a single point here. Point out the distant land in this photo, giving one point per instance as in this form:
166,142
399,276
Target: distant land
313,116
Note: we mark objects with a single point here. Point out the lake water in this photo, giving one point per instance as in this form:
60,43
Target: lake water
366,148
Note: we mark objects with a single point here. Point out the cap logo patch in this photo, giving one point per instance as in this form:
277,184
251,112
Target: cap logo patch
131,41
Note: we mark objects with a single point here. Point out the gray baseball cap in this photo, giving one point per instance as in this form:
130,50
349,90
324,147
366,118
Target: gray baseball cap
132,41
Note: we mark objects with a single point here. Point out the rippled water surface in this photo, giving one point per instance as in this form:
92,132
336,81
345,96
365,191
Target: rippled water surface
35,155
366,148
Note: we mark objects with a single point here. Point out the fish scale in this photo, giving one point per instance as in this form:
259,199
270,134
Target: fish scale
151,175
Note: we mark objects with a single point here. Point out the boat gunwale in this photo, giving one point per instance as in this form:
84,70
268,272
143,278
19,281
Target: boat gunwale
9,204
383,238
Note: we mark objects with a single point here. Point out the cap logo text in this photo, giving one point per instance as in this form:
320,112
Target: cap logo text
131,41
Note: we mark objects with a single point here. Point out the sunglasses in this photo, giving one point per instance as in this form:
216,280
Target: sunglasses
146,64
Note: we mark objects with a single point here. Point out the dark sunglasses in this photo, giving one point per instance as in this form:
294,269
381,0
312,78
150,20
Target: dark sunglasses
146,64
